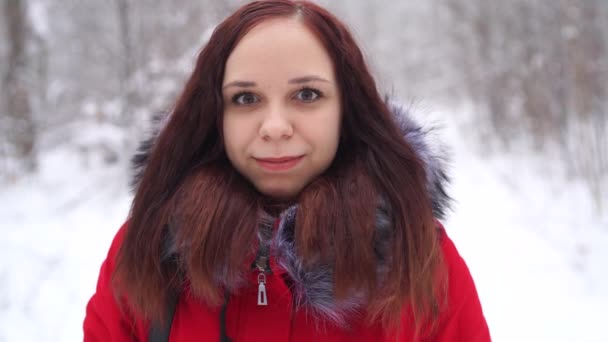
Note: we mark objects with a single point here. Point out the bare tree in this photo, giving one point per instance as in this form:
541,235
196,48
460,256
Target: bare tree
18,126
127,60
536,71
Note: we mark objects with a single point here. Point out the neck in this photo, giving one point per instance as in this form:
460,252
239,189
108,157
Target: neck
275,207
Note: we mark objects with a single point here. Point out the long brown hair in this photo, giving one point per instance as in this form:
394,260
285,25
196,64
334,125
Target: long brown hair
189,186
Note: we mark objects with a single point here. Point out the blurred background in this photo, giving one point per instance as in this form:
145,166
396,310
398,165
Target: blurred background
516,89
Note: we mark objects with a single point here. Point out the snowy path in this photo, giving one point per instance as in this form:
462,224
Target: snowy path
530,285
54,238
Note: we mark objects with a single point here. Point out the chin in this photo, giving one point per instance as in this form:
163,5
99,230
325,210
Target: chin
279,192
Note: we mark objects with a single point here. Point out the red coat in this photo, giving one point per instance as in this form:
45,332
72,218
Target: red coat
463,320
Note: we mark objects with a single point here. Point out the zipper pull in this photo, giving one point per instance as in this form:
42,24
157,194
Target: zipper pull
262,298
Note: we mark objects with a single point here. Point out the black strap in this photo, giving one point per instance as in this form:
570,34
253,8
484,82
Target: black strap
160,331
223,334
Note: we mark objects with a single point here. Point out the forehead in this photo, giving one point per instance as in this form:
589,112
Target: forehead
281,48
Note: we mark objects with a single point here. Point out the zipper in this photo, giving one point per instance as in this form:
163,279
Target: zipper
262,295
262,266
261,263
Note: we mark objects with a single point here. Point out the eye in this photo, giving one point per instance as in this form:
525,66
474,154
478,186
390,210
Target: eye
308,95
244,98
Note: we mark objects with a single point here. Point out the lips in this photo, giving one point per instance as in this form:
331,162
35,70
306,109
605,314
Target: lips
279,163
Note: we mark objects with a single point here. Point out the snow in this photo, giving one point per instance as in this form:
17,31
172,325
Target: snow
536,249
38,17
56,229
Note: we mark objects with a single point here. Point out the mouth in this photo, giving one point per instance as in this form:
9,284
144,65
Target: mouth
280,163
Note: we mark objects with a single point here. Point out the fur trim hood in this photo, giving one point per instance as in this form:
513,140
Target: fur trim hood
313,286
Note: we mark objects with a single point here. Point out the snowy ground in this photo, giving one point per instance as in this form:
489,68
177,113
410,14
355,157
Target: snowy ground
536,250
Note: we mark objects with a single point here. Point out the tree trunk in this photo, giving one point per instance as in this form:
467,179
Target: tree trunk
127,63
19,128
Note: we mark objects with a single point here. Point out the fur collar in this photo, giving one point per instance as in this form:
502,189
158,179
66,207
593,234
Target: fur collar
313,287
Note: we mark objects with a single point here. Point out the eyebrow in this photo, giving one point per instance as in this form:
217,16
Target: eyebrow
241,84
297,80
306,79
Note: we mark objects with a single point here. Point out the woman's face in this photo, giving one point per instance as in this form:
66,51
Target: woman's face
282,112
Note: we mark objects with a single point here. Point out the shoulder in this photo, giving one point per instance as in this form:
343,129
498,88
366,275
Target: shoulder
460,280
107,318
109,264
455,264
117,242
462,318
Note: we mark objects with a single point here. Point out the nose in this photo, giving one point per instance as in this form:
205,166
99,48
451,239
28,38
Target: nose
276,124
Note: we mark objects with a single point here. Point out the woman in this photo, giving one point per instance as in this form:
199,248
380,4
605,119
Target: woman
283,200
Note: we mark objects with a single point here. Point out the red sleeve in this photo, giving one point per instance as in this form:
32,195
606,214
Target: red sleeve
463,319
105,319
